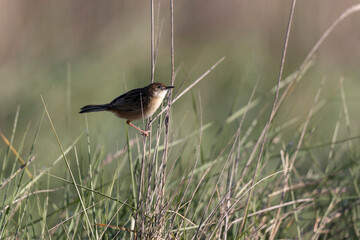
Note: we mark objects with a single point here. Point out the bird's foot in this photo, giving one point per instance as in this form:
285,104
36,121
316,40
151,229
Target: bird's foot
145,133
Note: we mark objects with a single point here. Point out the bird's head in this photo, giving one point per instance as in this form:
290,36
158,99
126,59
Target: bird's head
158,89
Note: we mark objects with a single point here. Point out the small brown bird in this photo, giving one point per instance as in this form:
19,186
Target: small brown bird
135,104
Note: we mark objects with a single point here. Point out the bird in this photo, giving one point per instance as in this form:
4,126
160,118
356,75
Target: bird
135,104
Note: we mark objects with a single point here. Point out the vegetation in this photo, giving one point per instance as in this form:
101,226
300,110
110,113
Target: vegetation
232,154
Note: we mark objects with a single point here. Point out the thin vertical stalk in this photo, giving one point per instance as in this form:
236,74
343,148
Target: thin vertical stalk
273,110
172,44
152,41
167,117
159,209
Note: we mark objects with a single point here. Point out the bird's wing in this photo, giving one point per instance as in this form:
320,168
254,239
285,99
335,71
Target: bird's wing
130,101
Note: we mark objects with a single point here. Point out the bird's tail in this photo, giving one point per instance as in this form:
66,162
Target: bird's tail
94,108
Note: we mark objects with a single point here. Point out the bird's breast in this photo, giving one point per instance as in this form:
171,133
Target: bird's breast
153,106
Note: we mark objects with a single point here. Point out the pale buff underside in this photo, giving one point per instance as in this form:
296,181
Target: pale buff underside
146,112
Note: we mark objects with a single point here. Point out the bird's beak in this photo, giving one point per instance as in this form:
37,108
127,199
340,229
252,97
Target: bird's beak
169,87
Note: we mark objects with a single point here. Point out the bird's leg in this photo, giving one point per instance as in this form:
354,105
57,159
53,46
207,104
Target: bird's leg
146,133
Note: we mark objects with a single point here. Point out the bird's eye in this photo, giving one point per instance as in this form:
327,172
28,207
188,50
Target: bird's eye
159,87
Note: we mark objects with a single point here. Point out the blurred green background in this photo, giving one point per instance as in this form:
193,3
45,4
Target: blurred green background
75,53
82,52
